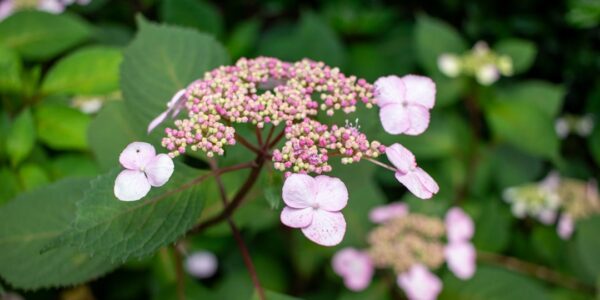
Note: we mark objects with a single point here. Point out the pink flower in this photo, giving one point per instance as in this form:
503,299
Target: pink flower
382,214
201,264
405,103
6,8
420,284
143,169
459,226
409,174
355,267
314,205
173,107
565,227
51,6
460,257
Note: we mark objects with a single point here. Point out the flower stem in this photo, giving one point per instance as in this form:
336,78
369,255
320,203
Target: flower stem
382,164
247,144
179,274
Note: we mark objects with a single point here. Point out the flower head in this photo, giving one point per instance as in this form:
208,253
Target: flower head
459,226
382,214
143,169
409,174
461,259
404,103
419,283
355,267
314,205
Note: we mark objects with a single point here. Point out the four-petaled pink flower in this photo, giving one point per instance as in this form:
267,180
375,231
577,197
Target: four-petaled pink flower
419,283
409,174
143,169
405,103
356,267
459,252
384,213
314,205
173,107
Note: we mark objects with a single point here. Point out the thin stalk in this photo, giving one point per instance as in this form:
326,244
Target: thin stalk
382,164
180,276
247,144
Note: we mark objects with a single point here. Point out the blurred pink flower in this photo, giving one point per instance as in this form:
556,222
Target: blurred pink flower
314,205
6,8
382,214
51,6
461,259
420,284
565,227
173,107
201,264
143,169
405,103
409,174
355,267
459,226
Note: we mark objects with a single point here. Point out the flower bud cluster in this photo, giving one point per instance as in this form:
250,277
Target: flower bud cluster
406,241
310,143
261,91
481,62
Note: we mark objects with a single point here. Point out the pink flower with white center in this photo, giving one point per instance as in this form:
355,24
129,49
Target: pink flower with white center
356,267
405,103
461,259
173,107
409,174
314,205
565,227
459,226
420,284
384,213
143,169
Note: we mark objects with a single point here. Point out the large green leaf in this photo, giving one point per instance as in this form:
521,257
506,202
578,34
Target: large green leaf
9,185
547,97
521,52
119,230
493,225
39,35
21,137
162,60
89,71
10,70
588,243
32,220
433,38
61,127
491,284
523,125
199,14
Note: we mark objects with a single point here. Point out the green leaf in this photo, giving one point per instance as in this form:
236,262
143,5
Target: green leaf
162,60
39,35
588,243
243,38
522,53
10,70
119,230
547,97
198,14
9,185
523,125
33,176
74,165
492,283
30,222
512,167
62,127
311,38
493,226
434,37
89,71
110,132
21,137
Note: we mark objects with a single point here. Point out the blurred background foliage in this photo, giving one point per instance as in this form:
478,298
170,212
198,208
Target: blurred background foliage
77,87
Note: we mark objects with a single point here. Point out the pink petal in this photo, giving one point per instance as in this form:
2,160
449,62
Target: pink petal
418,117
389,90
327,228
131,185
427,181
394,118
161,118
332,194
159,170
420,284
382,214
420,90
299,191
459,226
547,216
401,157
461,259
6,8
418,182
297,217
51,6
565,227
136,155
355,267
201,264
